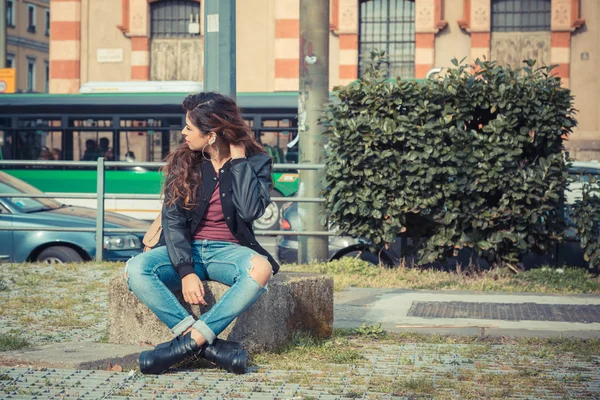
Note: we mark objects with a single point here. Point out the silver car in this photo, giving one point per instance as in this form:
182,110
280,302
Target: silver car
58,247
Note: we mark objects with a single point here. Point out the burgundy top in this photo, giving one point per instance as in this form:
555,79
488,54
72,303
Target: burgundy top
213,225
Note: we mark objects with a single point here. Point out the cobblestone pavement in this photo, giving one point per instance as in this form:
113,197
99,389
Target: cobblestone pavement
384,371
44,305
55,303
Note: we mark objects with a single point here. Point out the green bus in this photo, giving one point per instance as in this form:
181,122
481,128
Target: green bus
129,127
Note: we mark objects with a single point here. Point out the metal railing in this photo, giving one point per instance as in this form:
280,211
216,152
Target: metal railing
101,196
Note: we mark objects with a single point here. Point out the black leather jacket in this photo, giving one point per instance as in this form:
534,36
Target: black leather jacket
244,188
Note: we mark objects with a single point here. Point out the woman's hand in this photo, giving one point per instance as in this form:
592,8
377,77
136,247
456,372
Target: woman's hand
237,150
193,290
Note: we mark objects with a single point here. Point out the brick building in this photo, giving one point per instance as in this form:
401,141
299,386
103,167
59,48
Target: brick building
27,38
120,40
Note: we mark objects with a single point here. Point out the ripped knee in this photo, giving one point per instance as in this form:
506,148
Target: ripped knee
261,270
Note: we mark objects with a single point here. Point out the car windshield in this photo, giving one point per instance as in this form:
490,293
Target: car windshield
11,185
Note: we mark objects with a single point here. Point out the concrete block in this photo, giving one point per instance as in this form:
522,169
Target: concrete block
294,302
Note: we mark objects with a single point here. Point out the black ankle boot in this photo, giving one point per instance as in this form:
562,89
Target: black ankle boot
227,344
168,354
230,359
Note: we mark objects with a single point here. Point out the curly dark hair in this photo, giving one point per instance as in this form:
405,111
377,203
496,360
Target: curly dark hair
210,112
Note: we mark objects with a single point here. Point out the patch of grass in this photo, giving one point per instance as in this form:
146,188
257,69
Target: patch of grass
371,331
552,347
417,385
349,272
69,319
105,336
12,342
567,280
311,352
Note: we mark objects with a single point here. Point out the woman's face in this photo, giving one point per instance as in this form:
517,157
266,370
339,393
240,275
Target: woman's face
194,138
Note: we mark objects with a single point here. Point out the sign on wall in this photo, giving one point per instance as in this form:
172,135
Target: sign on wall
109,55
8,77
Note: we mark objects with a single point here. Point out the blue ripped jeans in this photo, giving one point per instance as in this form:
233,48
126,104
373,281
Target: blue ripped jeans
152,278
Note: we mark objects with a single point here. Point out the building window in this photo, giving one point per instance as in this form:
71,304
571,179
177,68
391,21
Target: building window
47,32
170,18
521,15
388,25
46,76
10,13
31,18
10,61
30,74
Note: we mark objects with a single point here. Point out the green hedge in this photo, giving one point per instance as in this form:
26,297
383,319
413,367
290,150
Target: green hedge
586,215
471,160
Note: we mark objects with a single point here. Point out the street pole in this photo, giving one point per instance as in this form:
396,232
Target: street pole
219,47
3,33
314,94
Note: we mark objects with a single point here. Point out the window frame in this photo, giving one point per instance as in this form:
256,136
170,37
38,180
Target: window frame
31,18
533,15
31,61
12,58
47,21
389,38
46,76
10,22
163,16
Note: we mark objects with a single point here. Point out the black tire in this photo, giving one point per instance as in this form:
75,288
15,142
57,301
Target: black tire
270,219
361,251
59,255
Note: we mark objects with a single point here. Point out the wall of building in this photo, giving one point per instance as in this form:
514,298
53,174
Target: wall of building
255,45
585,83
24,45
99,32
268,46
451,42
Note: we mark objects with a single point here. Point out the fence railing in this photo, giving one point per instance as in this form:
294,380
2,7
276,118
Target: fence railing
101,196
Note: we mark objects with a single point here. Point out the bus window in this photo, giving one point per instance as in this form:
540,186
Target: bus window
6,147
92,139
38,139
148,138
275,134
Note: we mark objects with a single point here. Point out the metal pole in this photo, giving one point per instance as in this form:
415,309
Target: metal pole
220,47
100,210
3,33
314,93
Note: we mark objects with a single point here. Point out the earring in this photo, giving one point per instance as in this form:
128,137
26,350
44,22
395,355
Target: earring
209,158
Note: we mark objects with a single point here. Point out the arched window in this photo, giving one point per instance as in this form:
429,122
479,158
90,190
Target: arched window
170,18
521,15
388,25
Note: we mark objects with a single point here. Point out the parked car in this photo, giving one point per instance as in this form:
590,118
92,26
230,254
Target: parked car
345,246
339,246
58,247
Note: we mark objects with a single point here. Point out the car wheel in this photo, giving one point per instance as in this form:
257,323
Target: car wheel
59,255
361,252
270,219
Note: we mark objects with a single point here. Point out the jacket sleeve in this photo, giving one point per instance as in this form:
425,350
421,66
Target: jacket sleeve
252,182
177,235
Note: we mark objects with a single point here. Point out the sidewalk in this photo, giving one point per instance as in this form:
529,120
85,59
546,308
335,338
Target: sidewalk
470,313
387,371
